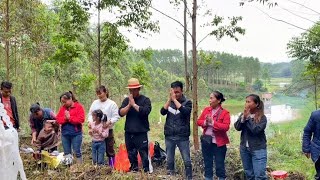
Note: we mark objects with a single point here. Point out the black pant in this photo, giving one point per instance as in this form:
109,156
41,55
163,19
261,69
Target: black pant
110,144
317,165
137,142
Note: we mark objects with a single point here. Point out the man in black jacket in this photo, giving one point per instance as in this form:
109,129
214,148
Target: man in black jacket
10,104
136,108
177,127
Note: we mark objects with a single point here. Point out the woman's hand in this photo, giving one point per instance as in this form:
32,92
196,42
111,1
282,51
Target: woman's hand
67,115
246,113
209,120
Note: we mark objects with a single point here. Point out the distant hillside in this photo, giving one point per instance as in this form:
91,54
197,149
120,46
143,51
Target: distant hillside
278,70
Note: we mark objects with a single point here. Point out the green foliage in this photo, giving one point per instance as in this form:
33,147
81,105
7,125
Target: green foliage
85,82
73,19
47,70
114,44
257,85
307,46
231,30
141,72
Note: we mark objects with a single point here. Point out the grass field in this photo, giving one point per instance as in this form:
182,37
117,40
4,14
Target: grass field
278,84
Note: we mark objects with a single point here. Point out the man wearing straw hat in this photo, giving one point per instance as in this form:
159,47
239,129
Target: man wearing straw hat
136,108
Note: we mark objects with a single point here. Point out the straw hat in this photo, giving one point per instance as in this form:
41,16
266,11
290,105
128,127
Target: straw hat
133,83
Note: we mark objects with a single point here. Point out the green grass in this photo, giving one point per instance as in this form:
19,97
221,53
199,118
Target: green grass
273,86
284,147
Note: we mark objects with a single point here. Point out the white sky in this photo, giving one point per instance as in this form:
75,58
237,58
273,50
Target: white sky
265,38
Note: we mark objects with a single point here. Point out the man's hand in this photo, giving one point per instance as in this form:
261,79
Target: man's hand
307,155
33,140
131,100
172,95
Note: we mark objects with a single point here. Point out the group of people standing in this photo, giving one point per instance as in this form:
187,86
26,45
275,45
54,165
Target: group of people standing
104,113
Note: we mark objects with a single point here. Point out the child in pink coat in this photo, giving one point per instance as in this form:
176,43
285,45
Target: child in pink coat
98,133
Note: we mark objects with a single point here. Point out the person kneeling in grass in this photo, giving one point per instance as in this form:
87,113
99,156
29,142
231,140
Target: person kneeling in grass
98,133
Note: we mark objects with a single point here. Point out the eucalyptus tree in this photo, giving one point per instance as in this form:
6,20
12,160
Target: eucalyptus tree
133,15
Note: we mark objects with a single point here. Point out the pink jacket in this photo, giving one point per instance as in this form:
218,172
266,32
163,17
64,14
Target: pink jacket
98,132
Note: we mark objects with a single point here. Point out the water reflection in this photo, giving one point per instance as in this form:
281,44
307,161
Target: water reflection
274,113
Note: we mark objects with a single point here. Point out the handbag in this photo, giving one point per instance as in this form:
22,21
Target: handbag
208,138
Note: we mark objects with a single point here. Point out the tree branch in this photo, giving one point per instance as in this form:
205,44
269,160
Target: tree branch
185,4
171,18
304,6
203,39
298,15
182,35
283,21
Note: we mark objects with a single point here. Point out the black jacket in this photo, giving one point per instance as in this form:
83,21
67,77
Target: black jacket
137,122
14,110
252,132
177,126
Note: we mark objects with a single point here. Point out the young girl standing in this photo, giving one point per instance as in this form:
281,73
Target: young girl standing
253,146
98,134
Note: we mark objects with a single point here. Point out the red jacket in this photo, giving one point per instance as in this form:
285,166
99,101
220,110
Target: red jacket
77,117
220,126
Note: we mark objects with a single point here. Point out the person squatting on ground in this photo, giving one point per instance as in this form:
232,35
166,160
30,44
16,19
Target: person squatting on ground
98,133
47,139
177,128
136,107
215,122
253,146
311,141
71,116
10,104
111,110
38,116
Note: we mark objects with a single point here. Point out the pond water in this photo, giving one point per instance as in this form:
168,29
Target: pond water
274,113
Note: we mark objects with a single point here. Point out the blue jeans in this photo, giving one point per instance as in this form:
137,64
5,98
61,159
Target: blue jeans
185,153
210,153
254,163
98,150
75,142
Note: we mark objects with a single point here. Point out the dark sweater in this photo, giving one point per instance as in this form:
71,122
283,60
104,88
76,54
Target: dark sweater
137,122
177,125
252,132
14,110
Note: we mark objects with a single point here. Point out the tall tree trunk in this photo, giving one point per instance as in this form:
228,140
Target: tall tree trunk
195,76
185,51
99,46
7,40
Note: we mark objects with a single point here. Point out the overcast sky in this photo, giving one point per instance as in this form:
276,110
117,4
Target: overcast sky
265,38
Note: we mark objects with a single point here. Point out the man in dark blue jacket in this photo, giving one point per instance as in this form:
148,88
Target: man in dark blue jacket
177,127
311,147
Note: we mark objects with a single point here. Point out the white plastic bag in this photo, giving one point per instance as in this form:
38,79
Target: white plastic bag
10,160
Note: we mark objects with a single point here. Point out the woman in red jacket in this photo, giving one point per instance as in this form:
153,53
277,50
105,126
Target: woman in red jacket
215,122
71,116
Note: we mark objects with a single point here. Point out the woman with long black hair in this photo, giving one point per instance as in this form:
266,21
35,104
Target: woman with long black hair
253,146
